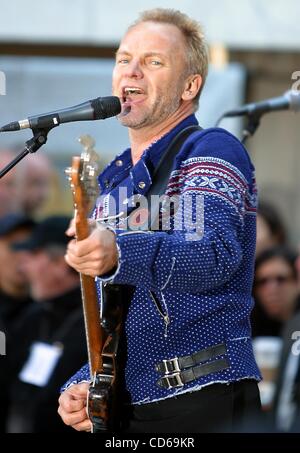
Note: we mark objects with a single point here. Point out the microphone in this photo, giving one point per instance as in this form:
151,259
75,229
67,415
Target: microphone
288,101
95,109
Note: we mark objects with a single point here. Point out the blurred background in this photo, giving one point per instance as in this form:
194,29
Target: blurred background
59,53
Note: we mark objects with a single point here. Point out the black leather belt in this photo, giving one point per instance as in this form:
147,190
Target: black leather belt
181,370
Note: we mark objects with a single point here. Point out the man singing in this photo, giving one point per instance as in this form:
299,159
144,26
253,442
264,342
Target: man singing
190,364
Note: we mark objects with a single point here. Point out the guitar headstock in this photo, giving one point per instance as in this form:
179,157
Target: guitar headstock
83,176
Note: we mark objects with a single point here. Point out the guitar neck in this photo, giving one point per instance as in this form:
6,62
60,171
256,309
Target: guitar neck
94,332
95,335
102,343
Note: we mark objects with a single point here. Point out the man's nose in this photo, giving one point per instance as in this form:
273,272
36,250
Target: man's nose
273,287
24,261
134,70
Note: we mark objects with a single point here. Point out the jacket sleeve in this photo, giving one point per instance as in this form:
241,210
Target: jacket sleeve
206,250
83,375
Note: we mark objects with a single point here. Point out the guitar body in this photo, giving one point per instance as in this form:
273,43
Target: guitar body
100,404
104,406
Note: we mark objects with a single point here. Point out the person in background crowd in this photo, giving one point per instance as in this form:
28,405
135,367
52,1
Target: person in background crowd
49,339
27,188
287,401
2,340
14,293
271,231
276,291
297,264
33,186
3,378
8,193
14,288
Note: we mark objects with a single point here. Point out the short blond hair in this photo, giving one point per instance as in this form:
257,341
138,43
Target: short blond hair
197,61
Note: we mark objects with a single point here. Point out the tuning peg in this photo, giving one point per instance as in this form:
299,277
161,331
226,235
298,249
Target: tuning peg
68,173
87,141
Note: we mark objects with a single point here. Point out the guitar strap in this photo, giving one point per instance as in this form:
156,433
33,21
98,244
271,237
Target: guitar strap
163,170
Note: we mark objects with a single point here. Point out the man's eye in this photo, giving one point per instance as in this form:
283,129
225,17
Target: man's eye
155,62
123,61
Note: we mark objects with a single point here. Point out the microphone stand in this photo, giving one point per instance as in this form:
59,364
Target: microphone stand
39,138
250,129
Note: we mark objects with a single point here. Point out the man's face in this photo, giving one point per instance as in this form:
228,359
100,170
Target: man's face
276,287
151,60
7,185
11,271
34,184
43,273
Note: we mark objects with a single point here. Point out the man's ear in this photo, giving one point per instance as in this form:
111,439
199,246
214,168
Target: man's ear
192,87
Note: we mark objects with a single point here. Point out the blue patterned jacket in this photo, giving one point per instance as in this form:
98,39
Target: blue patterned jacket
204,284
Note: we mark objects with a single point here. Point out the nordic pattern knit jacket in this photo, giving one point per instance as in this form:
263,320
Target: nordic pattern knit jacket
203,282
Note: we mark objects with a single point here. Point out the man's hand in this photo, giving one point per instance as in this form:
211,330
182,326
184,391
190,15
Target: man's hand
94,256
72,407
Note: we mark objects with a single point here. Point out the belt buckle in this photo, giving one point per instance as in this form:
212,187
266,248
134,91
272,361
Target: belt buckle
175,364
175,376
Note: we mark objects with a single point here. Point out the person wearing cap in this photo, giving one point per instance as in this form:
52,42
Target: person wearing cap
14,292
13,281
50,342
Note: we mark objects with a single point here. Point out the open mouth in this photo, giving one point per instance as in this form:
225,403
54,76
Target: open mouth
130,94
